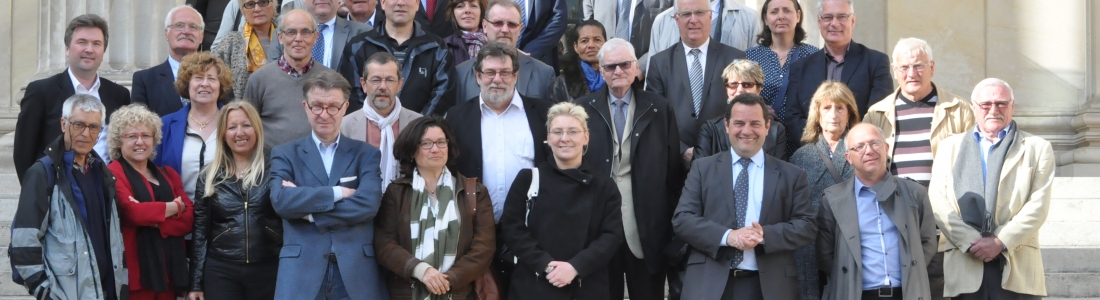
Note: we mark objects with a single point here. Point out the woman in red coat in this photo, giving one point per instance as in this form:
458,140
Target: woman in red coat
153,208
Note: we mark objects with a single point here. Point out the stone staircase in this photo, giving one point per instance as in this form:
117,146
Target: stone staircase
1071,245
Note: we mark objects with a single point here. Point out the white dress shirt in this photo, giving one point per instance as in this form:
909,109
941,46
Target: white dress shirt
190,166
101,141
328,33
507,146
702,57
752,207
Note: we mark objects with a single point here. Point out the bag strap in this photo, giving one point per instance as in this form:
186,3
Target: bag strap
829,165
532,193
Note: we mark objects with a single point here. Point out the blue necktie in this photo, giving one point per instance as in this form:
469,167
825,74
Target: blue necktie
740,204
523,11
319,47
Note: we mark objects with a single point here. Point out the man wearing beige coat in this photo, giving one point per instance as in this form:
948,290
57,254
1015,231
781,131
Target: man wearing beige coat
990,192
382,117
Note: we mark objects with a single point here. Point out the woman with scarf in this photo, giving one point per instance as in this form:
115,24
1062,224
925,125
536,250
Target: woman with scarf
247,50
154,210
580,66
434,231
468,39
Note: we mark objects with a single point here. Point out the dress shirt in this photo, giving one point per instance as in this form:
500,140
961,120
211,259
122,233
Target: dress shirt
878,239
752,207
327,152
328,32
625,110
175,75
987,145
507,147
101,142
702,58
196,154
835,68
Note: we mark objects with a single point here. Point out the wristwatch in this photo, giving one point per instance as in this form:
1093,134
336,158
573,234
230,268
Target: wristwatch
549,269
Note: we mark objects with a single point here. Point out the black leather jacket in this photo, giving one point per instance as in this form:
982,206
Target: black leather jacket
231,229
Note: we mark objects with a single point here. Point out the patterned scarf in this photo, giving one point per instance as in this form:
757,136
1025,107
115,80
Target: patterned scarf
255,52
474,40
434,227
385,126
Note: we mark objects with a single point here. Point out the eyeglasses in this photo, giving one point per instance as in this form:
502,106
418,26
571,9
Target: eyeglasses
610,68
560,133
181,26
499,24
745,85
915,67
506,74
295,32
427,145
873,145
377,81
135,137
331,110
699,13
838,17
79,127
253,4
989,104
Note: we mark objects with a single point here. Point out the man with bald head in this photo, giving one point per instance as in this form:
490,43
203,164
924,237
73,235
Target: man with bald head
155,87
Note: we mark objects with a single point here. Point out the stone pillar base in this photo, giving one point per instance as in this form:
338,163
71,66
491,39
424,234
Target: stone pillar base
1078,170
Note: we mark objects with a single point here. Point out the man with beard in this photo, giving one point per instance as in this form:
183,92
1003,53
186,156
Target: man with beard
381,80
155,87
503,23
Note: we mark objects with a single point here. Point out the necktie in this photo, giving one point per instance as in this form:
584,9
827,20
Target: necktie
620,118
319,47
696,77
622,29
430,9
522,11
740,203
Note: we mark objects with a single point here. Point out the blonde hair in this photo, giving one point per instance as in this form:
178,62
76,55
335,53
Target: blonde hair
567,109
746,69
127,117
829,92
223,156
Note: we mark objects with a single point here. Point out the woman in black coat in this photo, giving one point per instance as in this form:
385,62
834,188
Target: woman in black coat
580,66
565,235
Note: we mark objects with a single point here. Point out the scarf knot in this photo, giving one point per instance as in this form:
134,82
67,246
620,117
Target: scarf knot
474,40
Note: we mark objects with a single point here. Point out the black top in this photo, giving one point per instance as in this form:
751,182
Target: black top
87,186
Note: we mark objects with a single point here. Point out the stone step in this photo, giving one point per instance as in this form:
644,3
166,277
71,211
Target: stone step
1073,285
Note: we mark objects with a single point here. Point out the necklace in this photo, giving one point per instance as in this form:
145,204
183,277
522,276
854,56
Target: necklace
202,125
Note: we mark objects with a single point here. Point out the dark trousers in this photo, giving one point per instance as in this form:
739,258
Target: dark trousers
991,285
231,280
935,276
745,288
640,283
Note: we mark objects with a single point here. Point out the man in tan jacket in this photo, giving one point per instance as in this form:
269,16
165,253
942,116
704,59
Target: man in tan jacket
990,193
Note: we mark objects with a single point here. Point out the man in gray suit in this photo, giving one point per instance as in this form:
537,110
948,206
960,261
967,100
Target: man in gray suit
876,232
636,15
503,23
745,247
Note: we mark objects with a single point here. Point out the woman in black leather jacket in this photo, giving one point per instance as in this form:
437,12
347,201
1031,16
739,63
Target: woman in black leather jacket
741,76
237,235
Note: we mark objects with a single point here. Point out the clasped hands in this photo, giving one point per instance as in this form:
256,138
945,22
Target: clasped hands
562,274
986,248
746,237
436,282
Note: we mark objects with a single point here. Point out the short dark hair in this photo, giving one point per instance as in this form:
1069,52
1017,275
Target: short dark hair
407,143
765,36
497,50
585,23
381,58
326,80
86,21
748,99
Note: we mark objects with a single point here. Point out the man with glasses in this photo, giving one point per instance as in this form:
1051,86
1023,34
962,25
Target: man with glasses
865,71
503,23
156,86
731,23
327,189
383,117
630,20
892,218
424,57
634,140
990,191
689,74
273,88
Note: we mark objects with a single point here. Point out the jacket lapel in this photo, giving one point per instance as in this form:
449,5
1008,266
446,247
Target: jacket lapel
713,56
725,183
312,158
771,178
680,66
1011,163
600,105
844,208
851,62
893,207
527,74
339,38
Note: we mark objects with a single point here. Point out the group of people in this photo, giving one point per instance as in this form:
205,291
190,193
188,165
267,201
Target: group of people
400,164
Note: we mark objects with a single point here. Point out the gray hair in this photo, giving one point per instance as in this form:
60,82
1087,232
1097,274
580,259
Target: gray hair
613,44
991,82
86,103
168,18
282,18
911,45
821,3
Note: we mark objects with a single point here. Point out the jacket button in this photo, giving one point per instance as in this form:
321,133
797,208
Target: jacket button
844,269
913,263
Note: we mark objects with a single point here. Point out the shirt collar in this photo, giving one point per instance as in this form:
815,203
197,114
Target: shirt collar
847,49
1000,135
859,184
285,65
517,103
77,86
702,48
757,159
175,67
321,146
331,23
626,98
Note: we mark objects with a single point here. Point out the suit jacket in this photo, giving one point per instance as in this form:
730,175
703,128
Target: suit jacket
705,213
546,23
641,22
156,88
713,138
671,81
354,124
1023,199
465,120
439,25
342,33
838,240
39,122
345,228
534,80
866,72
739,22
655,164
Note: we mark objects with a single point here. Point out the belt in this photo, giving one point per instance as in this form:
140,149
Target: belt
331,257
739,273
883,292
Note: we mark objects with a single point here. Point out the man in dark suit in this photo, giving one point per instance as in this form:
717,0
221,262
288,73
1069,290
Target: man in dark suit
156,86
211,11
544,22
534,76
631,20
327,188
864,70
333,33
634,140
690,73
744,248
432,15
40,110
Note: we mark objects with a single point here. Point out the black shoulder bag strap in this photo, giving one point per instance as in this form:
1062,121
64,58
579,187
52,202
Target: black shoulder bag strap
829,165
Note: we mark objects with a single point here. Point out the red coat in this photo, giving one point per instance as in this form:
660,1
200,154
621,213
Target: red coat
133,215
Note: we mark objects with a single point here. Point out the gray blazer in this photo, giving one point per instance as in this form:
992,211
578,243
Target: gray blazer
535,78
354,124
705,212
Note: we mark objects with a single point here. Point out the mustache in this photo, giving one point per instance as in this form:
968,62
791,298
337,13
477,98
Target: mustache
186,36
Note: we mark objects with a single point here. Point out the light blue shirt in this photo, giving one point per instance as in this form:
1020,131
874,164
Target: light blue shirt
878,240
328,33
987,145
752,209
176,75
327,152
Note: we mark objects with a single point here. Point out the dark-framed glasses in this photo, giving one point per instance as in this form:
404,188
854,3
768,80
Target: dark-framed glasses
79,127
331,110
253,4
499,24
745,85
427,145
504,74
610,68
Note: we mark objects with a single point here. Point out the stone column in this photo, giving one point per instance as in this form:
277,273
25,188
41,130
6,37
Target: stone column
1085,159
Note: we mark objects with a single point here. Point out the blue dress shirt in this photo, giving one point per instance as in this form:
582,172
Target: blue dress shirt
878,239
752,207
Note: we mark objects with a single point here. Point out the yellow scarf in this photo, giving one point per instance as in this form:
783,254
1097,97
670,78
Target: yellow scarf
255,53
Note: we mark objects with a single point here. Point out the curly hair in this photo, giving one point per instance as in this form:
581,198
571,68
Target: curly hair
197,63
126,118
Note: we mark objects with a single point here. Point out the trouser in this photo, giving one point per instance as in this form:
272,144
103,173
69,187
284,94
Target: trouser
641,284
743,287
231,280
991,284
935,276
333,286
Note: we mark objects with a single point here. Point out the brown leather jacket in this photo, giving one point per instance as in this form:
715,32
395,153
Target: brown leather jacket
392,241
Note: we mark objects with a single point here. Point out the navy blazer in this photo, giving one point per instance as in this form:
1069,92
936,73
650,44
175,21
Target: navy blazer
546,24
173,129
156,88
866,72
465,121
345,227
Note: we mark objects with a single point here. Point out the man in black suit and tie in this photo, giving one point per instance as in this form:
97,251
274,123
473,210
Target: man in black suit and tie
688,74
744,249
156,86
40,110
864,70
634,140
544,22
